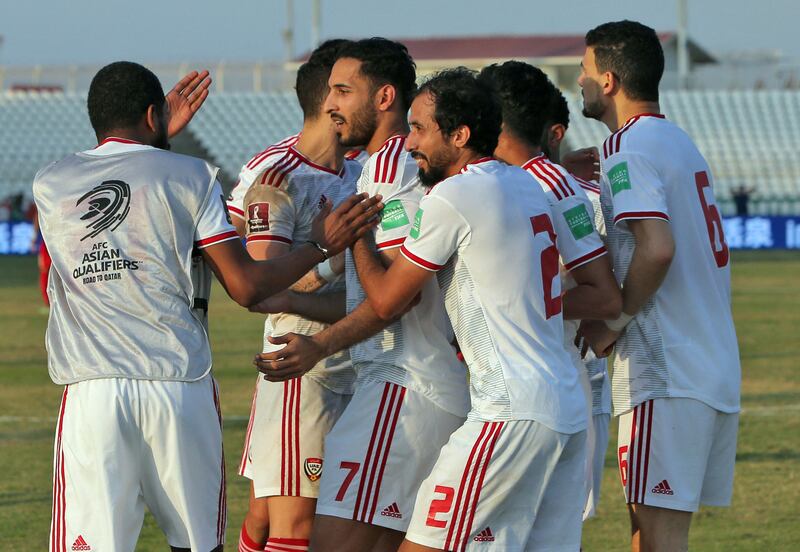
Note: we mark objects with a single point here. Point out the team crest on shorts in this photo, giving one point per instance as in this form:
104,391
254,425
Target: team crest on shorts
313,468
258,217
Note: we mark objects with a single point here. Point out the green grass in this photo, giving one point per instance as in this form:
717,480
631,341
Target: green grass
763,517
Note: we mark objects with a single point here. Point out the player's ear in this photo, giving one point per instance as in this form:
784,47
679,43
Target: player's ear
556,134
152,118
610,83
385,97
460,136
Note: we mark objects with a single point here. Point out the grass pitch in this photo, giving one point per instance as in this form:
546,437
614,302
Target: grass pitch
766,304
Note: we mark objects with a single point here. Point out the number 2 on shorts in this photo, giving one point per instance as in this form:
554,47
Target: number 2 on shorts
440,506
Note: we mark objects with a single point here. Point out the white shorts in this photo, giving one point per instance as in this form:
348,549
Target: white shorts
380,451
284,444
122,444
518,485
676,454
597,458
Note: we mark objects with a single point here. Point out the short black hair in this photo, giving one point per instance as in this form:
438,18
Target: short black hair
524,93
557,108
462,99
633,53
383,62
311,84
120,94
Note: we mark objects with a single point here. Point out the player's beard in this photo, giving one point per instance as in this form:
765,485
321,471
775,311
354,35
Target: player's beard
592,109
363,124
437,167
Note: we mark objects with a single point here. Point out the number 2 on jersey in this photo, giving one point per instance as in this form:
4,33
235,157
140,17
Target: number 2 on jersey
713,221
552,305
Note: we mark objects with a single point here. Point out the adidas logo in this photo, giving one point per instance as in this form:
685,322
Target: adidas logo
662,488
80,544
392,511
484,536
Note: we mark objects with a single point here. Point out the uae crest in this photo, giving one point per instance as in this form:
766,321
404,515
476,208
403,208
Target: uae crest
313,468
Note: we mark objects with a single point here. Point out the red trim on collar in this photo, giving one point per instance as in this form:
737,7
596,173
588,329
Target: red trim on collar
476,162
656,115
119,140
310,163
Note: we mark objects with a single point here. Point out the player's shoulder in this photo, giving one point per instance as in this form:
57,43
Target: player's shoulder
387,165
646,135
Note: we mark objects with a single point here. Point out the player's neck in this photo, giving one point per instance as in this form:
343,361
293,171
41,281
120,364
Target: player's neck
318,143
132,134
627,109
392,124
516,153
466,157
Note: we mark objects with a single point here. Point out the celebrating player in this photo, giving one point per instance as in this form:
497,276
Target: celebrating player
676,370
139,419
527,98
283,453
512,473
409,379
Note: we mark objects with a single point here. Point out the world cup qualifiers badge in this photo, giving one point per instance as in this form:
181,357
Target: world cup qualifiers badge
313,468
258,217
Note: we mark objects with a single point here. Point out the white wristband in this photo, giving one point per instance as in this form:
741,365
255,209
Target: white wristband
326,272
619,324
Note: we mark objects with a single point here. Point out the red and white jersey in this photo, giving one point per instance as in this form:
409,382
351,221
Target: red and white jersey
360,155
489,234
576,238
250,170
281,204
121,222
682,342
415,351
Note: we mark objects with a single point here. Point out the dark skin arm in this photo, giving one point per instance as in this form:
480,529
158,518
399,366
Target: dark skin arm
597,295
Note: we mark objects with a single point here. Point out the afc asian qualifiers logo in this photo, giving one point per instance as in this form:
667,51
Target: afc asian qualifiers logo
258,217
313,468
107,206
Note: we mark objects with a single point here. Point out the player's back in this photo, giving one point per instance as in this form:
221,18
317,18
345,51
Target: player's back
685,333
280,206
121,228
502,293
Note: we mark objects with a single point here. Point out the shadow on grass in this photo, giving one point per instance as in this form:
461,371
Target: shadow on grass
16,499
782,455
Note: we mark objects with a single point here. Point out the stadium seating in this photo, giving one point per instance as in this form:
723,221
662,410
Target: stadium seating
750,138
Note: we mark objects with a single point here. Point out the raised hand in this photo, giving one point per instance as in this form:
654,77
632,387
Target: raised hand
337,230
185,99
583,163
300,355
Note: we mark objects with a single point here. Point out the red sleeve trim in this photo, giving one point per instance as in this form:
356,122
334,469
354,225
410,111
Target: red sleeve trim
390,243
235,211
641,215
261,237
225,236
419,261
599,252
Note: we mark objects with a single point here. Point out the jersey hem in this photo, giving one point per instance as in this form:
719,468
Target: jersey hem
408,385
641,215
235,211
390,244
258,237
419,261
218,238
127,377
568,429
716,405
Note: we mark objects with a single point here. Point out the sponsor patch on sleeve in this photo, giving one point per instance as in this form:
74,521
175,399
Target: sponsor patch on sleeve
578,221
619,178
393,215
414,233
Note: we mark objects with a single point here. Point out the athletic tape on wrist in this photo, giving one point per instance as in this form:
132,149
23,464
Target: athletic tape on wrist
619,324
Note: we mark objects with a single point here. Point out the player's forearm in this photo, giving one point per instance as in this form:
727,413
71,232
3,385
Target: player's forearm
596,295
354,328
322,307
266,278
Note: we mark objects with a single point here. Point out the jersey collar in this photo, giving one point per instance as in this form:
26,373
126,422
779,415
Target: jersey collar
641,115
113,145
476,162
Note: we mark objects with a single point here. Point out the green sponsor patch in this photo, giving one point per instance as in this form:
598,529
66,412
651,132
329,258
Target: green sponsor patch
619,178
393,215
578,221
417,221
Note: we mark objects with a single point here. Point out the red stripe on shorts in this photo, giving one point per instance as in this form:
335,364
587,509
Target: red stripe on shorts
379,451
493,437
367,458
395,415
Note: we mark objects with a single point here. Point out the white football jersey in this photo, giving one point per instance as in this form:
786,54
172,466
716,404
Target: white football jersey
682,342
250,170
576,238
121,222
415,351
280,205
489,234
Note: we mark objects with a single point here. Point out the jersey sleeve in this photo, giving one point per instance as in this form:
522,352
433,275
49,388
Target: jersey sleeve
637,191
576,237
436,234
213,223
270,214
